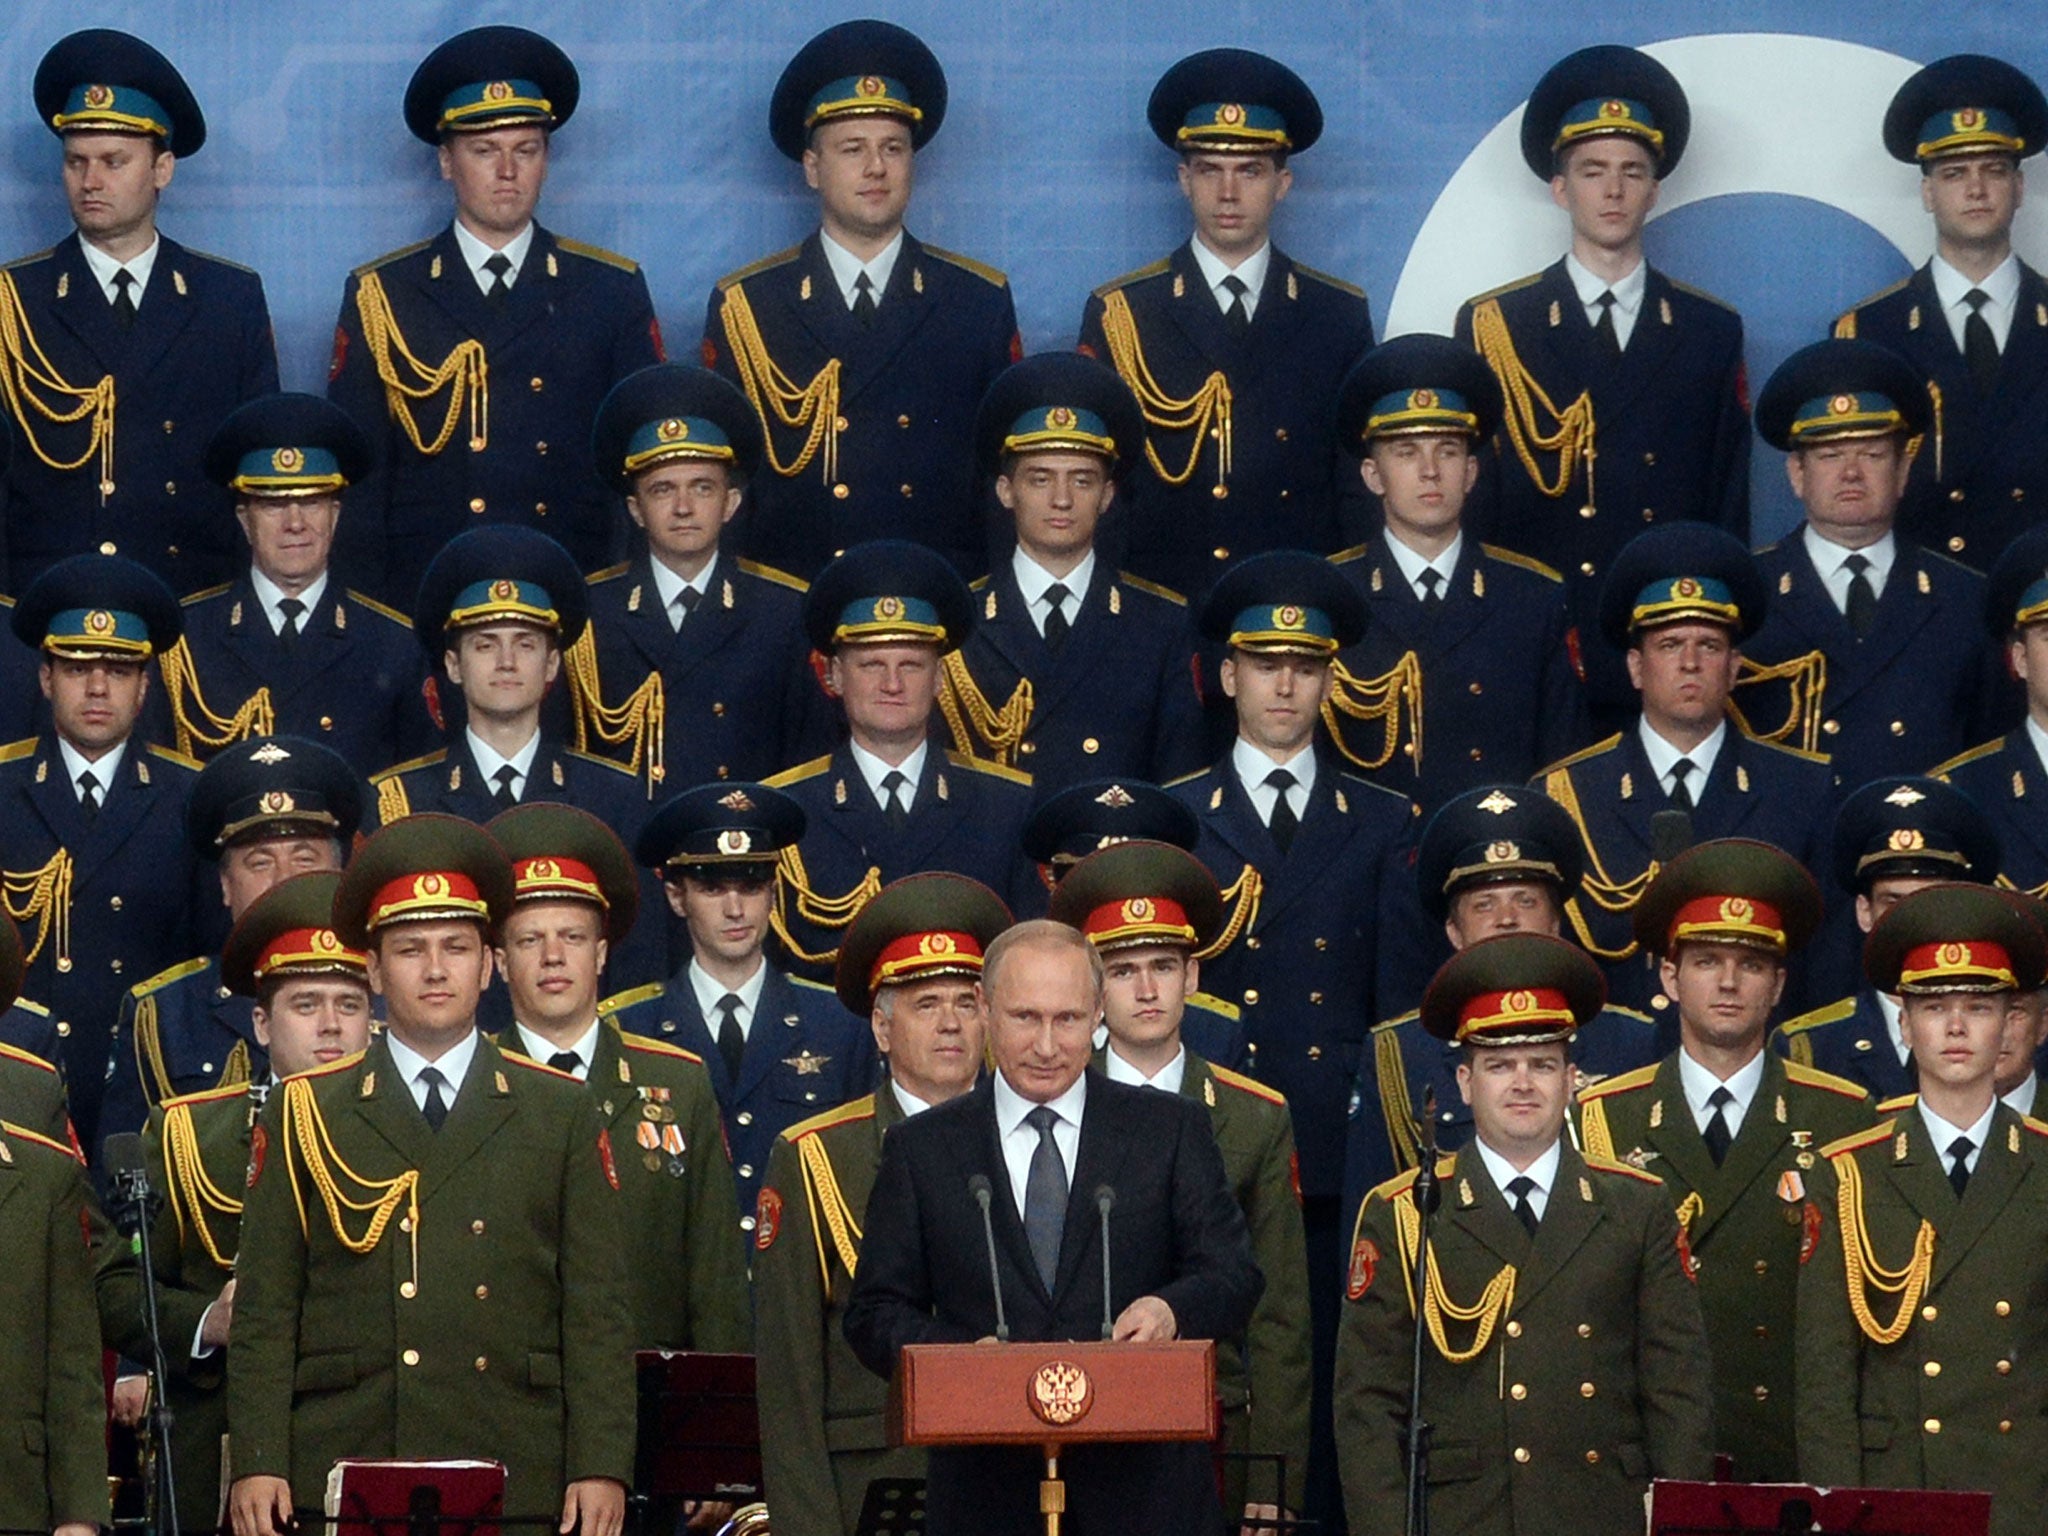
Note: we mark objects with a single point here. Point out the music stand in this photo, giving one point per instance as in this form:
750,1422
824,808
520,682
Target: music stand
369,1496
697,1433
1772,1509
1050,1396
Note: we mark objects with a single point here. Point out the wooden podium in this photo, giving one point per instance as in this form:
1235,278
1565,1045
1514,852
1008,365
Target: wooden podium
1051,1396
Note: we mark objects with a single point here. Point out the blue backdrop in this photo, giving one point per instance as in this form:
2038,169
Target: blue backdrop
1785,206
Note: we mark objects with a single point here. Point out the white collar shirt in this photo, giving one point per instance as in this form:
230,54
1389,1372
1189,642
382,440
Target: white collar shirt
103,267
1943,1134
1830,562
710,992
1628,295
475,254
452,1064
539,1048
874,770
269,594
1251,272
1019,1140
1253,767
1663,757
1167,1079
489,761
1542,1173
669,585
2001,290
1033,580
847,268
1700,1085
104,771
1413,564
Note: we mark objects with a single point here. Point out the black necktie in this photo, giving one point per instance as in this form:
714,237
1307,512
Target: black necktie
1717,1135
1432,588
565,1061
1959,1152
89,795
1045,1196
685,604
290,608
1681,797
732,1045
1980,348
1236,318
894,811
1603,328
498,265
435,1108
124,299
1283,823
1522,1188
503,794
1056,625
1861,609
864,300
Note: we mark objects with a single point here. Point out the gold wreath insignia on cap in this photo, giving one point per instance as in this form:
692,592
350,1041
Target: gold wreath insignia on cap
277,802
1737,909
544,869
1967,118
738,800
1138,909
503,590
287,461
1686,586
888,607
1906,840
1841,405
1059,418
1230,114
733,840
1422,400
427,887
1612,108
1499,803
498,90
1954,954
937,944
326,942
99,622
871,85
1518,1003
1287,617
99,97
1503,852
673,430
1116,797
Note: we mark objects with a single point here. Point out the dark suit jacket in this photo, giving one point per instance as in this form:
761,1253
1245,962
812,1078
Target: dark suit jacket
2004,777
1982,483
1176,1233
200,346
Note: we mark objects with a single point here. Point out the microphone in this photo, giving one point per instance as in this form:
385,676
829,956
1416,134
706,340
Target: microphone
127,1177
979,1187
1105,1202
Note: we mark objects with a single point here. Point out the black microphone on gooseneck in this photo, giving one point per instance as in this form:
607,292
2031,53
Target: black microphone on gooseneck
1105,1202
979,1187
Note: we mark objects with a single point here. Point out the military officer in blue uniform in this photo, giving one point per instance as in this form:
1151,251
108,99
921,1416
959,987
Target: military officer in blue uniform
1497,859
261,812
696,665
779,1049
497,609
263,653
142,344
2007,776
1233,348
1074,669
891,801
475,361
1678,605
1469,669
1891,838
862,350
1600,339
92,835
1872,654
1974,318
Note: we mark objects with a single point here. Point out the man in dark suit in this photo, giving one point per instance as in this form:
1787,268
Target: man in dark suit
1974,318
1469,671
777,1048
151,343
695,666
475,361
1605,357
1873,653
863,350
1074,670
92,838
1678,604
890,802
265,652
1046,1133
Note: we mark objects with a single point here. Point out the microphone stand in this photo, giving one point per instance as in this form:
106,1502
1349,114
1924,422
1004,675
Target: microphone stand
1427,1195
133,1195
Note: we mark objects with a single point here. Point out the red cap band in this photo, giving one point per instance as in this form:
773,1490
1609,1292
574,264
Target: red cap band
1975,965
430,894
928,953
563,879
1730,920
309,949
1139,920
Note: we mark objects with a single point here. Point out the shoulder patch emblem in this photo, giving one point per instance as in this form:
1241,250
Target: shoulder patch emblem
767,1218
1365,1263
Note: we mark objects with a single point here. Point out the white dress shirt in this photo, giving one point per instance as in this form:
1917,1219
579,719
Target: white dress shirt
103,267
1829,559
539,1048
2001,289
1413,565
103,771
1251,272
1252,766
1033,579
475,253
489,760
907,1101
1699,1085
1019,1140
1628,295
847,267
1663,755
269,594
2021,1099
2039,738
1944,1135
453,1065
672,586
874,770
1167,1079
711,991
1542,1173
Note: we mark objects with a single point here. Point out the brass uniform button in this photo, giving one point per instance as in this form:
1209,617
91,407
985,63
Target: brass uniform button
109,547
1585,567
1930,1312
1956,495
1585,1330
170,487
1649,458
1832,727
1475,754
1592,1458
838,423
1315,1053
2005,1426
718,707
1322,943
1219,552
63,1029
1898,727
534,384
476,503
903,421
1251,996
1315,997
411,1357
840,492
170,427
1518,1392
905,488
483,1293
1522,1454
477,1227
114,902
1514,1330
115,965
1587,511
2003,1309
1932,1368
746,1223
327,722
408,1290
1763,1267
1762,1394
540,448
2004,1367
1028,748
1252,942
1586,1389
405,1223
1090,745
1280,435
1932,1426
483,1363
745,1117
1762,1332
1649,514
746,1170
540,509
1475,688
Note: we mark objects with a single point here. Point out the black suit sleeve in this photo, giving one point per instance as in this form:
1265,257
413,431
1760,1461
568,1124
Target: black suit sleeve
1216,1282
894,1302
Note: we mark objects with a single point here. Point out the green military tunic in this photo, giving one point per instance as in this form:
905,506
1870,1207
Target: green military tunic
53,1459
484,1314
686,1280
1749,1225
32,1094
824,1416
196,1149
1957,1399
1571,1374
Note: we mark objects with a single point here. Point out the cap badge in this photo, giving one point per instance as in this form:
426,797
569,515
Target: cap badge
1953,955
738,800
1841,405
871,85
503,590
498,90
1230,114
1968,118
733,841
1686,586
1611,108
270,752
1904,795
99,622
287,461
1138,909
543,869
429,887
326,942
1116,797
1060,418
1737,909
1906,840
674,430
1422,400
1518,1004
1503,852
277,802
99,97
1499,803
937,944
888,607
1288,617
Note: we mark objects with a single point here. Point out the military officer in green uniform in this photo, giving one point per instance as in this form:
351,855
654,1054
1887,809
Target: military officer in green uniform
909,964
574,891
431,1234
1564,1366
1927,1298
312,1007
1731,1129
1148,907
